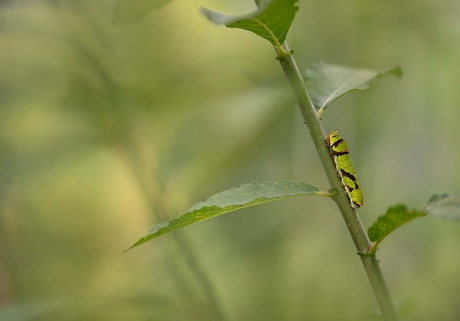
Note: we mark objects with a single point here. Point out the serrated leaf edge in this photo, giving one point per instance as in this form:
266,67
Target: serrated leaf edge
230,208
375,245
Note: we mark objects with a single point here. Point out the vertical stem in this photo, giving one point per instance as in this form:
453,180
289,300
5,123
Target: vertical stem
378,284
350,216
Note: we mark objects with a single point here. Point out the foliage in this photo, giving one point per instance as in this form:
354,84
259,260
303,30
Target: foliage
445,206
115,115
325,82
231,200
393,218
271,21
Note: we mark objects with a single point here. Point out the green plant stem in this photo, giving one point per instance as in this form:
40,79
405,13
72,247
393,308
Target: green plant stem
350,216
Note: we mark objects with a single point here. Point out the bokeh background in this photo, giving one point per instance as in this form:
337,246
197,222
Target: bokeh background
115,116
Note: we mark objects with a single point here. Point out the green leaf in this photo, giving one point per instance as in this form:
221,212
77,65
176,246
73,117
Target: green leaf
271,21
325,83
440,205
404,306
230,200
407,306
445,206
393,218
127,12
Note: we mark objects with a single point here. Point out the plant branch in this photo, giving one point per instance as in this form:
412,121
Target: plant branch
352,220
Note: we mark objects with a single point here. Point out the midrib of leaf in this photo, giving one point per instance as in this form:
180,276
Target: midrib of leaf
281,51
332,95
230,200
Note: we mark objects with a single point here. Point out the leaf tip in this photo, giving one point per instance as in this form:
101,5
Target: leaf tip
139,242
207,13
397,71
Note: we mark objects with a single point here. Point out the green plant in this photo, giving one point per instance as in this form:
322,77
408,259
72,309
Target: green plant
322,84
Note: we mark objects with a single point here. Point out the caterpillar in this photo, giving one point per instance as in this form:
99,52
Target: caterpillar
338,149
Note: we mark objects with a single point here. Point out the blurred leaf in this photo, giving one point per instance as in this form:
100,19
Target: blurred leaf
393,218
326,83
277,16
445,206
127,12
407,306
230,200
404,306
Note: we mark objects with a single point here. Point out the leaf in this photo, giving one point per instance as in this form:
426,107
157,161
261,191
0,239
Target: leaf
445,206
230,200
393,218
272,19
127,12
407,306
325,83
440,205
404,306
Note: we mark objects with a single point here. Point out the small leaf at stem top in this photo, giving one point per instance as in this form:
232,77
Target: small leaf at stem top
271,21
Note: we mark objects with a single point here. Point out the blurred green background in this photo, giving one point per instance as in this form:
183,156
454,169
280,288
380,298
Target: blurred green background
114,117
